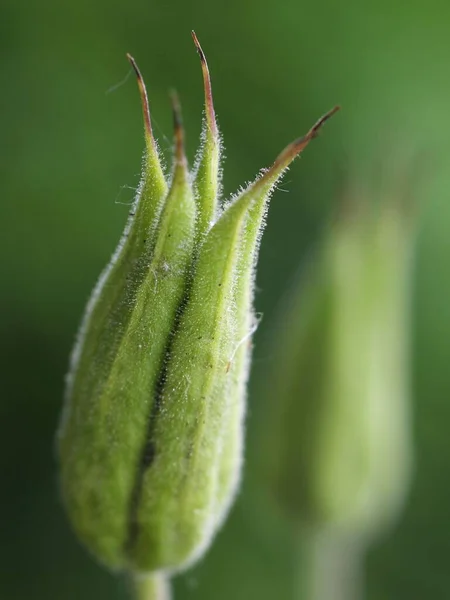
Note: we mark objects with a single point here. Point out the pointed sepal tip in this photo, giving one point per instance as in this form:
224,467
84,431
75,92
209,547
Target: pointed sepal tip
209,104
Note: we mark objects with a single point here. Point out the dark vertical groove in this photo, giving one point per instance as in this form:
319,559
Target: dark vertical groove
150,450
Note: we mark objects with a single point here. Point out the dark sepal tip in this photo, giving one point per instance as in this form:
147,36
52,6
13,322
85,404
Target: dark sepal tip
209,104
314,131
144,97
176,110
296,147
199,48
178,126
303,141
134,65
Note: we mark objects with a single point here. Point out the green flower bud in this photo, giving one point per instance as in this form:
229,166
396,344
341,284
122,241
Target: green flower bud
340,417
150,442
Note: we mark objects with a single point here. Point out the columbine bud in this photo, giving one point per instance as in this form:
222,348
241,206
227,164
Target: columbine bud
150,442
339,413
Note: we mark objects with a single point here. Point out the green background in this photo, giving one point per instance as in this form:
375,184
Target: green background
70,155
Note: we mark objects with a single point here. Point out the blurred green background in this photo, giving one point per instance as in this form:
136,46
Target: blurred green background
70,156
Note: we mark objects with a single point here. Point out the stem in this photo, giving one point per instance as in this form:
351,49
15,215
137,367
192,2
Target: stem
330,566
151,587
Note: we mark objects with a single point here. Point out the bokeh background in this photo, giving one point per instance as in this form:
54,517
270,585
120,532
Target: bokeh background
71,144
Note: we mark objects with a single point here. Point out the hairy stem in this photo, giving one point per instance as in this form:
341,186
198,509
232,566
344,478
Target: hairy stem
151,587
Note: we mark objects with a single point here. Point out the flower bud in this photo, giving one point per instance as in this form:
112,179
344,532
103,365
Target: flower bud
150,441
339,415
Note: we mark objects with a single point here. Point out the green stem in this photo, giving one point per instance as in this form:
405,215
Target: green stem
151,587
330,566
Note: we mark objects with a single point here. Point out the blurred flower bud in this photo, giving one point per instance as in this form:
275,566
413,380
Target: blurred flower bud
150,442
339,413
